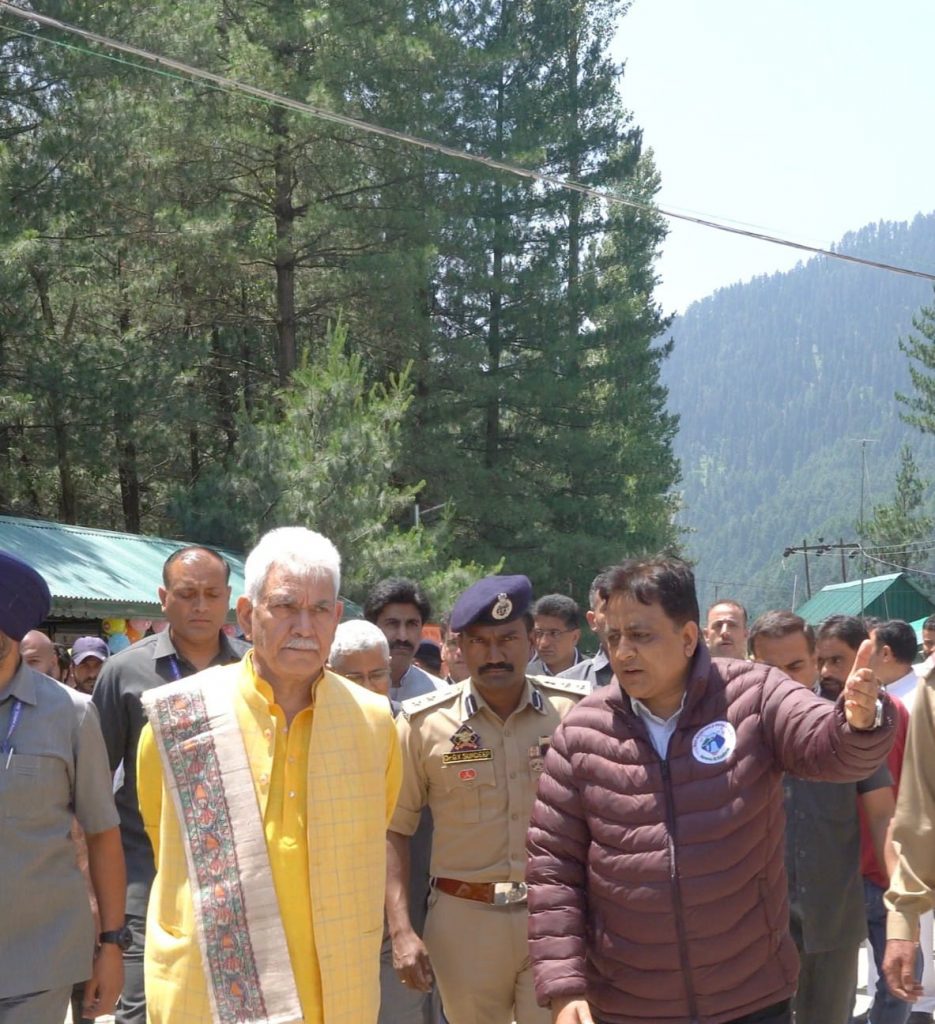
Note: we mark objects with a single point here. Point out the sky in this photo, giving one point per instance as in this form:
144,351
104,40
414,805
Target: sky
801,118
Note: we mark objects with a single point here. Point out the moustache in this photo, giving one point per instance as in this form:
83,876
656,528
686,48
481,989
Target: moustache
401,645
500,666
301,643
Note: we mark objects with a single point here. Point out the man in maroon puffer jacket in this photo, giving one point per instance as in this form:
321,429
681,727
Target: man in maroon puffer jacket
657,889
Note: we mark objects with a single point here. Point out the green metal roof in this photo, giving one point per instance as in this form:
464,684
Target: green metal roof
893,596
101,573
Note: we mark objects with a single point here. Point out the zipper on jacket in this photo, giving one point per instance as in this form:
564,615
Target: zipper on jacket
677,893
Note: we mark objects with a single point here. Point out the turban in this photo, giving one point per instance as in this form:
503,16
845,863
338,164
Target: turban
24,597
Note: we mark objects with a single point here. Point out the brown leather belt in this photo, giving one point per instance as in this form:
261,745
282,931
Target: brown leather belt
500,894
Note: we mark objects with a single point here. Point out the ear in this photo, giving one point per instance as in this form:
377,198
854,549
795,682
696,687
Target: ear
161,593
690,634
591,618
245,616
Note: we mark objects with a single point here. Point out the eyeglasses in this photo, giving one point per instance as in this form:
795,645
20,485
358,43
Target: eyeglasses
549,634
379,676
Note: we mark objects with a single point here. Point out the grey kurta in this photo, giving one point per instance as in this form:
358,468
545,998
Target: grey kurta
58,768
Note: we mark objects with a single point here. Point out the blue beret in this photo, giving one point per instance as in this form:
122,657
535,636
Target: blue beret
492,600
24,597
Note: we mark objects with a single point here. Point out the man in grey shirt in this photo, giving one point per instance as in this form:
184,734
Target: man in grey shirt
53,766
195,597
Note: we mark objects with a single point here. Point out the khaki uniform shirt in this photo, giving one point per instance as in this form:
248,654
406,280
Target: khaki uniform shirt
478,774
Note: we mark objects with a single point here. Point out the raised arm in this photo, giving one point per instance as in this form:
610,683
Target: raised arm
815,739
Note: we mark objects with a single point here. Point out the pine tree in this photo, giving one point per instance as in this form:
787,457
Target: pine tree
920,348
900,532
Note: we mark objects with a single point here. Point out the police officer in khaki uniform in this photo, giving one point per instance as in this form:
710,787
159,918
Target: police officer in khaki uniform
473,754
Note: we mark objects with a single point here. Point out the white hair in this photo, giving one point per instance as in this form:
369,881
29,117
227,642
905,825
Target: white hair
357,635
293,548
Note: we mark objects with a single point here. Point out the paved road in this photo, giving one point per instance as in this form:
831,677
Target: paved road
863,1000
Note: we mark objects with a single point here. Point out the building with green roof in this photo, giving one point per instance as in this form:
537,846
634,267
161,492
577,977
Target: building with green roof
894,596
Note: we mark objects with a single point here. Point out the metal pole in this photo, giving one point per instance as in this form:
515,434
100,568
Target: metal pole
863,468
808,579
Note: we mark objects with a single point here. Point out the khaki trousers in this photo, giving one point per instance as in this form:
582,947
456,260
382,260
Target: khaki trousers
480,957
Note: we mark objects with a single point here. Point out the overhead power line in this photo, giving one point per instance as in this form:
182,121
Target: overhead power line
896,565
266,96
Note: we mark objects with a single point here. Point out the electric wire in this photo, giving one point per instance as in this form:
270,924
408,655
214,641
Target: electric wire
235,86
896,565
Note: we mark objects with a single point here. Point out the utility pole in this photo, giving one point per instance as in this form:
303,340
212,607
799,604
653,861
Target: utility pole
819,549
864,441
418,513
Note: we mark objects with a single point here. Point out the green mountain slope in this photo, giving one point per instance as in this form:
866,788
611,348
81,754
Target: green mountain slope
776,382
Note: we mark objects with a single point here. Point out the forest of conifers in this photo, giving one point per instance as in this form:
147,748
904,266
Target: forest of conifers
219,315
786,387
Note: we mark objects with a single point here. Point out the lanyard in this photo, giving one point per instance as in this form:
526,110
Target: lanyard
15,714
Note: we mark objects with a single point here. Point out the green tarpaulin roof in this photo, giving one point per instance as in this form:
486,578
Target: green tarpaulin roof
101,573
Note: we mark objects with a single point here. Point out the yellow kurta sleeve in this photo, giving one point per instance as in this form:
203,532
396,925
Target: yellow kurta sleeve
149,786
912,887
394,775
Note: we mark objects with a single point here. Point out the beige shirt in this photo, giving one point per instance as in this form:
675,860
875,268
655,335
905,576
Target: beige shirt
478,774
912,886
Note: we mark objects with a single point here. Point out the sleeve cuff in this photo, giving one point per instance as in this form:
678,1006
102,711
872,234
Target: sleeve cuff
405,822
902,925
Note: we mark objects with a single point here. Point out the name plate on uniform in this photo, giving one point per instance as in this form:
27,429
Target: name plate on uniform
462,756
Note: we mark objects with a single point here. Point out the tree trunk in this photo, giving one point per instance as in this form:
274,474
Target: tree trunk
573,297
67,496
127,464
5,466
495,327
224,393
285,214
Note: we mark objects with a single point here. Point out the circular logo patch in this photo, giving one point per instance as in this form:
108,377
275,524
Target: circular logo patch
502,609
714,743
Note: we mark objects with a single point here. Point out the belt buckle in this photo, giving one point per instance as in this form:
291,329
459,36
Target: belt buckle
507,893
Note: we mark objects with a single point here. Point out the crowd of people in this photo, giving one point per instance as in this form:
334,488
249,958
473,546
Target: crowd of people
337,822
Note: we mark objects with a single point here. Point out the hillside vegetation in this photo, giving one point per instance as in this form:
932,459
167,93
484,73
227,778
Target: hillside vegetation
776,381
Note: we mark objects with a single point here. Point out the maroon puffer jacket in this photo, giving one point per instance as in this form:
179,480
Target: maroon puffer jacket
657,889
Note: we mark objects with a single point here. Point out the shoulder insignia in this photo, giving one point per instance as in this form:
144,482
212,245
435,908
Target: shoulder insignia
413,705
573,687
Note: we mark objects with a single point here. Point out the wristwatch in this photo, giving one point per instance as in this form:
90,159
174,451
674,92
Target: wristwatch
122,937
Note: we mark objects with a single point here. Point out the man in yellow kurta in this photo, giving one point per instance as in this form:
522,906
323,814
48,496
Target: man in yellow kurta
266,788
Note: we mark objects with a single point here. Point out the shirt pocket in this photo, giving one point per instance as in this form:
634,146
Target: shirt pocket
470,788
33,785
